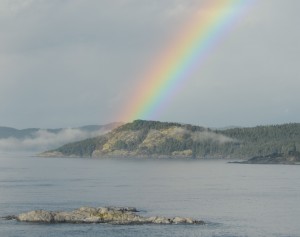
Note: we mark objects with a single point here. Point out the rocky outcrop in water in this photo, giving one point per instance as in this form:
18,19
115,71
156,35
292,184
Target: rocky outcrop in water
292,158
111,215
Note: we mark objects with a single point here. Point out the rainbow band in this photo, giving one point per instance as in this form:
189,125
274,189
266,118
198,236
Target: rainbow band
184,56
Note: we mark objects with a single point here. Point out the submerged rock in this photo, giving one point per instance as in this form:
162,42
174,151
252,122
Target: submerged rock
112,215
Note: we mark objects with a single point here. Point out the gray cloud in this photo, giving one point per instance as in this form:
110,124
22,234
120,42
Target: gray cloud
74,62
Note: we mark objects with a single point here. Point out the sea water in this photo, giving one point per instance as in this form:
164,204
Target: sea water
233,199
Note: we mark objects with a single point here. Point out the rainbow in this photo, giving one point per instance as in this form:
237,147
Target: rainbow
186,54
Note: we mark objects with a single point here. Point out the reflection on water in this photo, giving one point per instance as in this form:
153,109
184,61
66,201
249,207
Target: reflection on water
235,200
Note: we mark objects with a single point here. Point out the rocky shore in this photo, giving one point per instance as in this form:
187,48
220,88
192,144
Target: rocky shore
111,215
292,158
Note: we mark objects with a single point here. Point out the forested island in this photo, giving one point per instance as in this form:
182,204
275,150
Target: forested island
156,139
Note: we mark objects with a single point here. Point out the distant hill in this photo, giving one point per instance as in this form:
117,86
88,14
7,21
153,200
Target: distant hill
37,139
6,132
160,139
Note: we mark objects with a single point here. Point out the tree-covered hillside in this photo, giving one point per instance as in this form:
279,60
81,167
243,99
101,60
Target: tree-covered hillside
265,140
160,139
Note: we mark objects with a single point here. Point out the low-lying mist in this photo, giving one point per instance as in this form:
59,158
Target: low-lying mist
45,140
206,135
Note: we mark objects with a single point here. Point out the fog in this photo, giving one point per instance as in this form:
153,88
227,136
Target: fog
43,140
212,136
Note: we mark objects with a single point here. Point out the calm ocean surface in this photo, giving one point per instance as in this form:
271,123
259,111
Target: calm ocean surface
234,199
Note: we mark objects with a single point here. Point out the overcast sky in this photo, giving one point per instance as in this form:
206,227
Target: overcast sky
67,63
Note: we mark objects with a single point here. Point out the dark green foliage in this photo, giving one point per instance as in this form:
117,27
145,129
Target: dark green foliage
121,145
264,140
147,125
83,148
245,143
